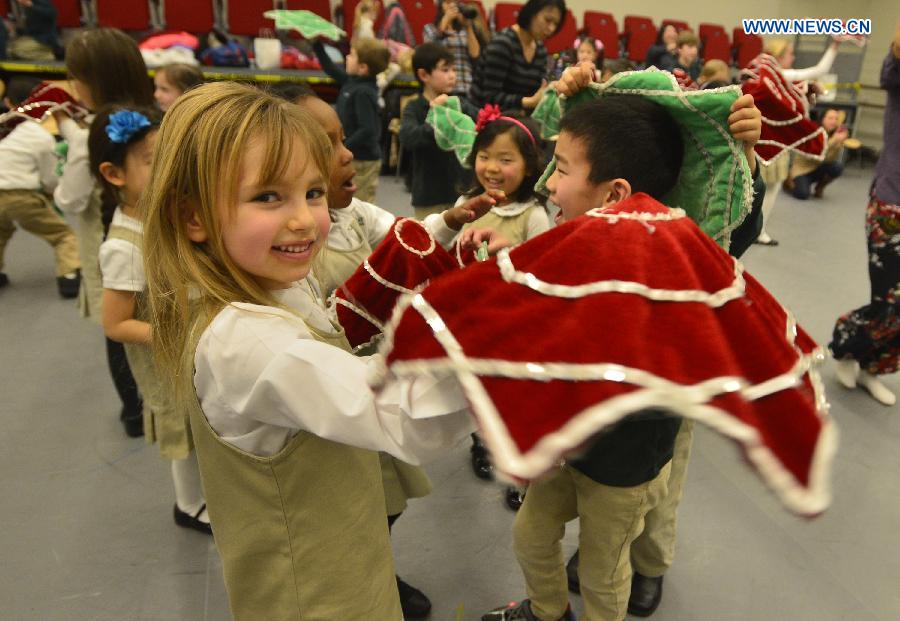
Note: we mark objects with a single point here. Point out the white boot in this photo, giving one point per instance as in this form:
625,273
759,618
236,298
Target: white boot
879,391
847,372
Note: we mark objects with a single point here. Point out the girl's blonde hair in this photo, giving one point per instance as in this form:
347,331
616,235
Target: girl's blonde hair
196,169
711,68
776,47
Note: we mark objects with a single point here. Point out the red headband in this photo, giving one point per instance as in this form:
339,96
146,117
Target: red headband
491,112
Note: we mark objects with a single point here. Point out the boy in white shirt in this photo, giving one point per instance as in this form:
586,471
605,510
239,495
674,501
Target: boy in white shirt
27,178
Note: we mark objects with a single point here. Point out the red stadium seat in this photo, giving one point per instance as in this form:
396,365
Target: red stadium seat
746,47
679,24
245,17
194,16
322,8
715,43
68,13
4,8
350,9
505,14
565,37
639,34
603,26
419,13
123,14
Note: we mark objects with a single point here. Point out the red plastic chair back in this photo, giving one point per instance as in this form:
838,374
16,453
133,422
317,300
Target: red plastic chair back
640,34
68,13
679,24
419,13
196,16
322,8
350,10
245,17
123,14
748,48
565,37
603,26
505,14
714,39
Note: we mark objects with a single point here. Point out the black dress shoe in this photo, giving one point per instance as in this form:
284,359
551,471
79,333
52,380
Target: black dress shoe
514,498
572,574
4,279
646,593
413,602
68,287
133,423
186,520
481,464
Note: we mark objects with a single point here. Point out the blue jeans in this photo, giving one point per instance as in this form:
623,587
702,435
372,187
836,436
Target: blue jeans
803,183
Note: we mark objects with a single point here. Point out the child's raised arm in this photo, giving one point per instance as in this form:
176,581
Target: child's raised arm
119,323
575,79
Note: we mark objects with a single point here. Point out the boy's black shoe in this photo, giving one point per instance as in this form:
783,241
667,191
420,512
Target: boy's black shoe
4,279
481,464
186,520
520,611
413,602
68,285
572,574
133,423
646,593
514,498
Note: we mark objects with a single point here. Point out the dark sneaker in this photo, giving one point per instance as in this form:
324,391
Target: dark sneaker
68,285
514,498
186,520
481,464
646,593
413,602
572,574
520,611
4,279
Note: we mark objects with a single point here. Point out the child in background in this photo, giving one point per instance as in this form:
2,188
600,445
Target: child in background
806,171
715,73
105,67
357,107
171,81
284,423
28,163
121,143
614,66
586,49
364,17
436,174
625,474
686,55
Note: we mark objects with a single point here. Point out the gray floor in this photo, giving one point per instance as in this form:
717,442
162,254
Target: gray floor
86,519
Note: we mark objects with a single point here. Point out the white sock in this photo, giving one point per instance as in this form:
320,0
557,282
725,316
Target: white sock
879,391
188,488
847,372
767,207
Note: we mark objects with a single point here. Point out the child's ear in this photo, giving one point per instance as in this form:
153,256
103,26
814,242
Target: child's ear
421,74
113,174
619,190
196,232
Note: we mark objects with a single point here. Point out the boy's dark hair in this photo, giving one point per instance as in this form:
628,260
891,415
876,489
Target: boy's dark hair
628,137
182,76
618,65
686,37
533,7
19,88
428,55
532,153
291,91
101,149
373,53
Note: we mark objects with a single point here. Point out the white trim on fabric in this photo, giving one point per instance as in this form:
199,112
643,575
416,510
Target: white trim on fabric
415,251
365,315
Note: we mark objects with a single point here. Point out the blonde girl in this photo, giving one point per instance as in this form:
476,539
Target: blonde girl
105,67
284,423
121,143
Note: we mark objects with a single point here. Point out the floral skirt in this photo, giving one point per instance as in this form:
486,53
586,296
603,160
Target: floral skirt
871,334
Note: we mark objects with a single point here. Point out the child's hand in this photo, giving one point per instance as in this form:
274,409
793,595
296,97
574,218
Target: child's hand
472,209
745,124
575,79
440,100
471,239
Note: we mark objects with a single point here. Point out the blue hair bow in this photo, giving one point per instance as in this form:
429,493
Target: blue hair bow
124,124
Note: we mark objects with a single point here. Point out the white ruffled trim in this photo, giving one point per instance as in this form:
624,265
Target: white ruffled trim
384,281
787,148
416,251
654,393
376,338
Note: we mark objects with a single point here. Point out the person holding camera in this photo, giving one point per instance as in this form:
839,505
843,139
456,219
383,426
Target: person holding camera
460,28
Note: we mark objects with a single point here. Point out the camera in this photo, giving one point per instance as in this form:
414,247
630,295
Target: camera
467,11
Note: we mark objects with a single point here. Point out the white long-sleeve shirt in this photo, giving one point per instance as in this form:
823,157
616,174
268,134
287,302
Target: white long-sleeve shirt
374,221
538,221
261,376
28,159
73,193
811,73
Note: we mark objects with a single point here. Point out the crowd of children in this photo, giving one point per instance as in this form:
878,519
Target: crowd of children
210,242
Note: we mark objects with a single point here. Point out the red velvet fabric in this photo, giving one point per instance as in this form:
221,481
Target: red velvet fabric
41,101
785,112
683,342
396,264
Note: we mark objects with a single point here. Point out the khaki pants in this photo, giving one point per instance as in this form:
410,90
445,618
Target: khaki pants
423,212
367,172
32,211
611,519
28,48
653,551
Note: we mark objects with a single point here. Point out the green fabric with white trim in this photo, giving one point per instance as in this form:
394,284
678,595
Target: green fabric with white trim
307,23
454,130
715,186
